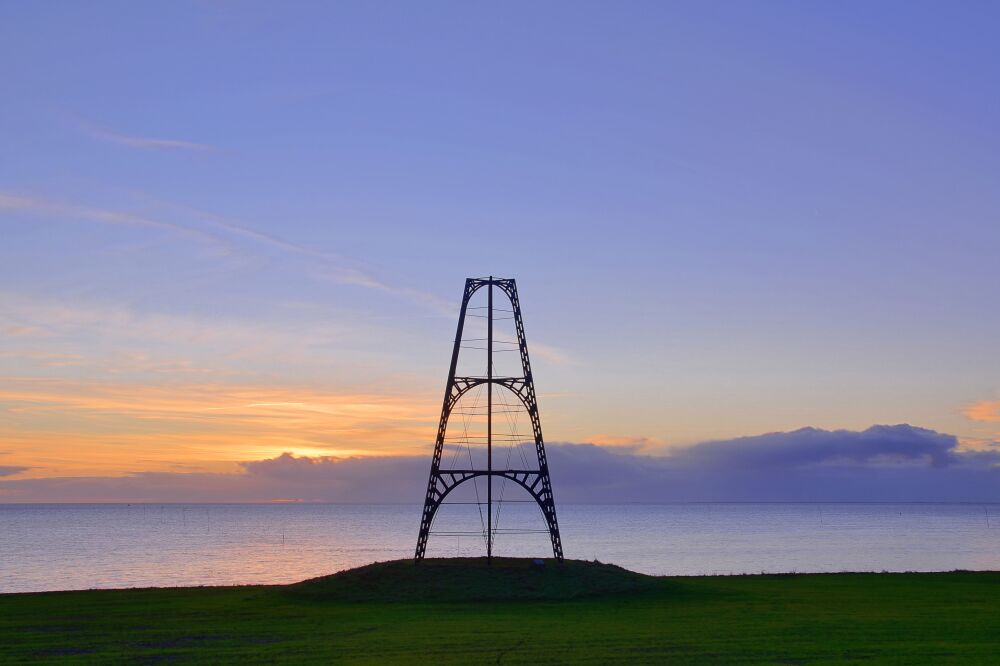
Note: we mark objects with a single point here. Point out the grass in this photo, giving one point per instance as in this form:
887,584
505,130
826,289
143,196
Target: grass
460,612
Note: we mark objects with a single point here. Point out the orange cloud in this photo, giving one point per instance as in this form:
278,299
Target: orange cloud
45,358
972,444
15,331
641,443
984,410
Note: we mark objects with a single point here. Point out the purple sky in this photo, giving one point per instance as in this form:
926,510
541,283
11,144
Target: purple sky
230,231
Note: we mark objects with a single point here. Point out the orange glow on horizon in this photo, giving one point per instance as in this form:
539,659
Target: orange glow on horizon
60,427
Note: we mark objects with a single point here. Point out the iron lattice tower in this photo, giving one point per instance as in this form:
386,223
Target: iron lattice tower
536,481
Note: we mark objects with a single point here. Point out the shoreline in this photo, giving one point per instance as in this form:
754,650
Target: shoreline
251,586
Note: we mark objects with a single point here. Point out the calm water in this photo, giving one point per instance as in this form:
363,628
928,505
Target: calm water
52,547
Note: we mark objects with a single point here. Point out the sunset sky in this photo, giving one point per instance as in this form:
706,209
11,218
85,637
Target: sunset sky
231,231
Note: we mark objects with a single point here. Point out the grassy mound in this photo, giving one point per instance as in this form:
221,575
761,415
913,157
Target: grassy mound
470,579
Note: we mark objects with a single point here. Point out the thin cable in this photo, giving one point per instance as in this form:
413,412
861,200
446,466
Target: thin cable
465,427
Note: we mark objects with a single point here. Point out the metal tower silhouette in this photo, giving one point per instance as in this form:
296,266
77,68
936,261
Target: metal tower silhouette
535,481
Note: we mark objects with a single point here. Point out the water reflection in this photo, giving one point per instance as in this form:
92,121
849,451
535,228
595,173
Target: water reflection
50,547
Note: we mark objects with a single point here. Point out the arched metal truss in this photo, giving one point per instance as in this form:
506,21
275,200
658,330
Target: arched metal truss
535,481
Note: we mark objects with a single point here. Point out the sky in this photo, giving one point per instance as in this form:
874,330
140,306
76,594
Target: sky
234,237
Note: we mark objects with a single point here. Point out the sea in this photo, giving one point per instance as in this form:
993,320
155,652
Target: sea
82,546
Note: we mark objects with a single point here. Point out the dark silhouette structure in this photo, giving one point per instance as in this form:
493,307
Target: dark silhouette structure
535,481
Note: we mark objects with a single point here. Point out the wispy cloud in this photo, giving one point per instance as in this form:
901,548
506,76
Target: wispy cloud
978,444
54,209
141,142
327,265
221,234
46,358
550,354
114,339
15,331
632,442
330,265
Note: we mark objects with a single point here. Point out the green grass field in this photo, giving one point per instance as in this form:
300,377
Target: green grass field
460,612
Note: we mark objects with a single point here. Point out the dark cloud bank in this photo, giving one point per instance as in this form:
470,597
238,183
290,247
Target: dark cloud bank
883,463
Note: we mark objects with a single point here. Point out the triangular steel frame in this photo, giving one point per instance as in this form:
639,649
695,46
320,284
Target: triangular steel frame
442,481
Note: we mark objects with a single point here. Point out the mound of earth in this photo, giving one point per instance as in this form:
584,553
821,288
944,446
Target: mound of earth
471,579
